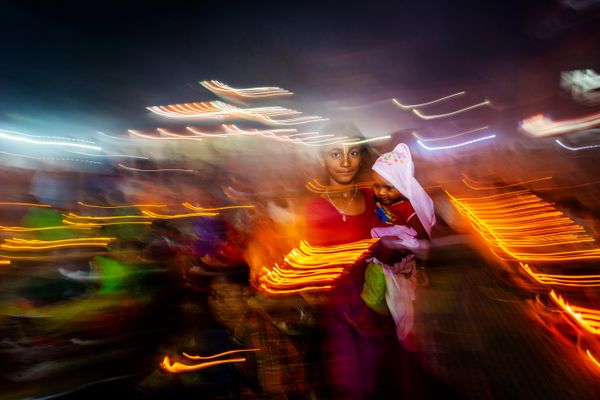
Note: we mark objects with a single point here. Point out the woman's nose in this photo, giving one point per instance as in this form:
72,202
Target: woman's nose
345,160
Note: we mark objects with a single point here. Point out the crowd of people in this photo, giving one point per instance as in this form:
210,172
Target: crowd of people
192,285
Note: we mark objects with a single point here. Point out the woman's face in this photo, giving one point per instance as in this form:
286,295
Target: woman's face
342,163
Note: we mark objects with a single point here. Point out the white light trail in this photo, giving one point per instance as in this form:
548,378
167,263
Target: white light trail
540,125
421,138
411,106
155,170
50,158
455,145
437,116
576,148
221,89
20,137
274,115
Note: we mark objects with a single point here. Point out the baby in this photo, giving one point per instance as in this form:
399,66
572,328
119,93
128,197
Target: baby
405,216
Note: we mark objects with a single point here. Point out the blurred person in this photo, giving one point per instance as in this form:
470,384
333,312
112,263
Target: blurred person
405,217
359,346
276,370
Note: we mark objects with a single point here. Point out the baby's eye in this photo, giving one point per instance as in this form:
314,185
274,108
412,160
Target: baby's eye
354,153
334,154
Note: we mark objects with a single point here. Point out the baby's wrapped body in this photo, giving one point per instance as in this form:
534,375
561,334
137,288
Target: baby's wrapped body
390,288
405,218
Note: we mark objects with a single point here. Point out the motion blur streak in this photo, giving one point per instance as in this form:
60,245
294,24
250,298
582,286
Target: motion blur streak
455,145
564,146
225,353
81,203
177,367
307,268
11,203
422,139
411,106
502,220
539,125
20,137
273,115
450,114
471,186
563,280
587,318
22,244
223,90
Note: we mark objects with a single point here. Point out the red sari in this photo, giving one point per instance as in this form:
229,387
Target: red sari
357,341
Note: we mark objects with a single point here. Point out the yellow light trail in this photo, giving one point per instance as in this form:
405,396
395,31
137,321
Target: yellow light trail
470,185
562,280
15,244
46,228
196,208
312,268
225,353
123,206
592,358
16,203
513,222
175,216
317,187
587,318
84,218
177,367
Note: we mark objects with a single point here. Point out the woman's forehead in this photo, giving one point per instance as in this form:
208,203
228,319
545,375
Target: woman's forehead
340,147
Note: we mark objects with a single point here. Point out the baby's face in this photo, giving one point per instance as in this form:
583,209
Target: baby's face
385,192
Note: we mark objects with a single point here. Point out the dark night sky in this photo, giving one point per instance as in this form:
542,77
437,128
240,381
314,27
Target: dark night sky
97,67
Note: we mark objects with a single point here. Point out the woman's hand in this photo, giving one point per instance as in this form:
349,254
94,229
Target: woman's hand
389,250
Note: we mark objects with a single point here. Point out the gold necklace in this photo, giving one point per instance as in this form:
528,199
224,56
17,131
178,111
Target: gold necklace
342,211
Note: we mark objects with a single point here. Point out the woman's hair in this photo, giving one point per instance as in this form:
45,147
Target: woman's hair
345,128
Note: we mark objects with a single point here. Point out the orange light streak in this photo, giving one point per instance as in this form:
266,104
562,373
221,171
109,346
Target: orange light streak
175,216
220,110
562,280
593,359
317,187
124,206
46,228
516,221
83,218
470,186
22,244
177,367
312,268
14,203
196,208
225,353
587,318
223,90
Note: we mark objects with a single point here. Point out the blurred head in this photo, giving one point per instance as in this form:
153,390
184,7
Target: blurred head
385,192
342,161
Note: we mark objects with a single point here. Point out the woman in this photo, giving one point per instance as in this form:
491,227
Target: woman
359,345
